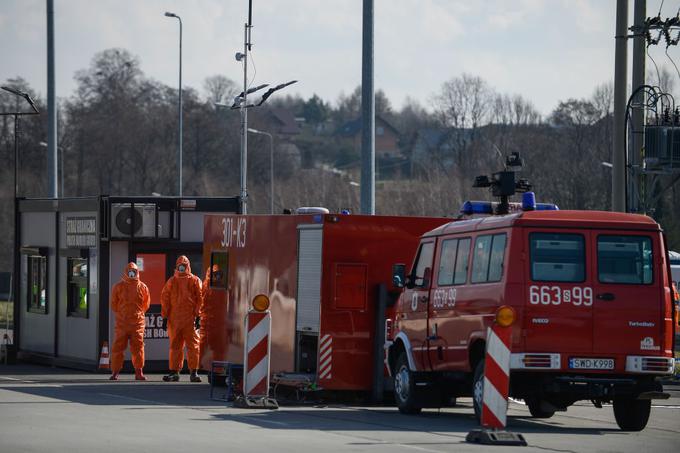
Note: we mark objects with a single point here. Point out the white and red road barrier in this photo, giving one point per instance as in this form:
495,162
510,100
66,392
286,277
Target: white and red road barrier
326,357
256,354
496,377
497,384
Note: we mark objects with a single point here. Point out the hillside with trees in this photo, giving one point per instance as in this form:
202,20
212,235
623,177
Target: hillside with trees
118,135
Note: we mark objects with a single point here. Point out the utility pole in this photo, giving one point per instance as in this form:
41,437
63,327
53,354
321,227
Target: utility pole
51,107
620,89
367,113
244,109
635,174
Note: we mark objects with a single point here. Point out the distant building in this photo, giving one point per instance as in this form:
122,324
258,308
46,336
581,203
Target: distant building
277,121
390,160
386,137
284,127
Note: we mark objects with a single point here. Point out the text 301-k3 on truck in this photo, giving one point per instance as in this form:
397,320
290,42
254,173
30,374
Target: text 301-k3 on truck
593,302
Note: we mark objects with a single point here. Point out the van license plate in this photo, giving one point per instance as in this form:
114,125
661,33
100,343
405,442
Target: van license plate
591,364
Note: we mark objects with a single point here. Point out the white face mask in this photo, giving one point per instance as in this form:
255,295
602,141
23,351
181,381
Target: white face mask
132,273
181,268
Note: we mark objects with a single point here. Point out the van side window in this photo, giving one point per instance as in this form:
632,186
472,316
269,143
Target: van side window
557,257
423,266
447,262
624,259
496,259
453,264
487,263
462,258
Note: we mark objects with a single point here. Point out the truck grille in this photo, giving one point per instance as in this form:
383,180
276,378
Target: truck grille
646,364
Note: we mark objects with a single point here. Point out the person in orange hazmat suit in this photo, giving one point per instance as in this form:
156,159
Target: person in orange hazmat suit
213,317
181,301
129,301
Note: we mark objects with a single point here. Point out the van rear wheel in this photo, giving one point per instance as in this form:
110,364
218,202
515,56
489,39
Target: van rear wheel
631,414
404,387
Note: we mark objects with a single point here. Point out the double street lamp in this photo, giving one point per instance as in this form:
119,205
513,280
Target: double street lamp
16,130
179,109
16,115
271,165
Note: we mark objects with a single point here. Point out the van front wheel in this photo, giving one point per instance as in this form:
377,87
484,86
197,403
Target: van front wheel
404,387
478,390
631,414
538,408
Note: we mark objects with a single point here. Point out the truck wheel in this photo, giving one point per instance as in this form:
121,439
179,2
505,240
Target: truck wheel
404,387
478,390
632,414
534,405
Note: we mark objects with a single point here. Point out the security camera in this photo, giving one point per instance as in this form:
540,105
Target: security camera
239,56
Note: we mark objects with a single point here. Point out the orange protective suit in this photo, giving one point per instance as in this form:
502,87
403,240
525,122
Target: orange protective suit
181,301
213,321
129,301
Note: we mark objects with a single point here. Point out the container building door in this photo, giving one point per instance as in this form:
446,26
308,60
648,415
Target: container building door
310,239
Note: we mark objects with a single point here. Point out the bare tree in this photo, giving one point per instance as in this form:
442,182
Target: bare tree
219,88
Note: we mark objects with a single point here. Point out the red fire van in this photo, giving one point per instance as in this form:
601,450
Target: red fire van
592,296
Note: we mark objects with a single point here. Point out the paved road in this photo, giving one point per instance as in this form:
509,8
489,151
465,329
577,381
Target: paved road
44,409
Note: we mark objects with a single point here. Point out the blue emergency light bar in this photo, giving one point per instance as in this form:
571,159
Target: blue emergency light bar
488,207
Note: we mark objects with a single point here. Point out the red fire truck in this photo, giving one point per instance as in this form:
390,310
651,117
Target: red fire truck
592,296
322,274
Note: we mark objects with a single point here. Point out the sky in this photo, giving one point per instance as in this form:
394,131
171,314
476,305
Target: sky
545,50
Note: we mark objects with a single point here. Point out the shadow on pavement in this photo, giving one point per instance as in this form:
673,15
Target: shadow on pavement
376,420
126,394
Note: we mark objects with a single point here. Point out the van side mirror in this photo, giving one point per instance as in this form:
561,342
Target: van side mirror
399,275
427,275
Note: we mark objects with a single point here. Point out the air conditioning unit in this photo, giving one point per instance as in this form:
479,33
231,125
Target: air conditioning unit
137,221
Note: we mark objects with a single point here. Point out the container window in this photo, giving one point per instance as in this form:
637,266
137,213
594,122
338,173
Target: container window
77,285
423,267
624,259
557,257
37,284
219,262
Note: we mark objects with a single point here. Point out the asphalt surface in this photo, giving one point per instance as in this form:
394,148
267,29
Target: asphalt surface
46,409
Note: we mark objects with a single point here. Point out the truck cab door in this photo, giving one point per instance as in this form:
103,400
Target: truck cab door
414,304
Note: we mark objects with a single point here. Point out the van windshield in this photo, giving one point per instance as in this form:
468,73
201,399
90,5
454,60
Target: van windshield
557,257
624,259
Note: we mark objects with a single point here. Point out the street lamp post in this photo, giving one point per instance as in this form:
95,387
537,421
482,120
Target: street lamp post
271,165
16,130
15,261
179,114
60,149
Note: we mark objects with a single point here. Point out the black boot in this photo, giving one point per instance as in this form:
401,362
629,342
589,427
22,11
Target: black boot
172,377
194,377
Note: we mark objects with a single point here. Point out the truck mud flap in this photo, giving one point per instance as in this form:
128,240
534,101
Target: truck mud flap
654,396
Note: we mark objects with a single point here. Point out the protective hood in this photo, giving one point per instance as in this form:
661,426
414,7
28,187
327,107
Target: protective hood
131,266
187,267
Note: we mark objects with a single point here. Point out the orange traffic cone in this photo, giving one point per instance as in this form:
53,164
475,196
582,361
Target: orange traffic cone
104,363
